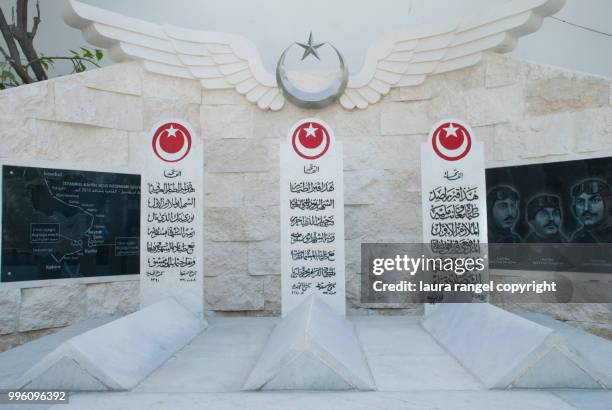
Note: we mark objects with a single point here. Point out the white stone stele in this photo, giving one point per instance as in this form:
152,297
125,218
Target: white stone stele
184,284
117,355
223,60
504,350
292,170
312,348
472,169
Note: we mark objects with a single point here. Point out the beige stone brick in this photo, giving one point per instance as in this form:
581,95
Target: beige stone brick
494,105
224,189
76,103
593,130
222,97
242,224
262,188
502,70
404,118
234,293
227,121
112,298
272,294
241,155
562,91
52,306
388,152
156,110
121,78
165,87
10,300
264,258
225,258
81,144
28,101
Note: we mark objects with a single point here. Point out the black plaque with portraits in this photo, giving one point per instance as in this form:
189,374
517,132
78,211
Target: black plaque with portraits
554,216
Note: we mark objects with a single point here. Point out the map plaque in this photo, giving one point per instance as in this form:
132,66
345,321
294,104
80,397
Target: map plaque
67,223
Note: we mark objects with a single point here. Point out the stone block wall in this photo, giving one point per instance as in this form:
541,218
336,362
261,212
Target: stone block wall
524,113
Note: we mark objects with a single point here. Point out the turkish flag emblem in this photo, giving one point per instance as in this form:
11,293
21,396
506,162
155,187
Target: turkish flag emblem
171,142
451,141
310,140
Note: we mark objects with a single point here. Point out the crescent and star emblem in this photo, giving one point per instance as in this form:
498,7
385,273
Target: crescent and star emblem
317,99
310,139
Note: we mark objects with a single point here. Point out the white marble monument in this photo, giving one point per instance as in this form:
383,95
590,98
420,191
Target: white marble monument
171,230
312,216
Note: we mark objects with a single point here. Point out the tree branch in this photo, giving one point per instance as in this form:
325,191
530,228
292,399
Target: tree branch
25,39
37,21
15,56
22,16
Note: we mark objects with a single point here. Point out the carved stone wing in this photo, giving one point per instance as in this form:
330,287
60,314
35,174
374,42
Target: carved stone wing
407,57
217,60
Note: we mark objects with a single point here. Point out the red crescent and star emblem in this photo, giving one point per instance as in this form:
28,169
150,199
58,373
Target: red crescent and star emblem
171,142
451,141
310,140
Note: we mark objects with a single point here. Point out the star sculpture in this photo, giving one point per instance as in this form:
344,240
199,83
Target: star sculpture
310,48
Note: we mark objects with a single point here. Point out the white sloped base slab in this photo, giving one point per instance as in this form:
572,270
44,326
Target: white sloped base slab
555,371
594,350
505,350
117,355
306,370
312,348
67,374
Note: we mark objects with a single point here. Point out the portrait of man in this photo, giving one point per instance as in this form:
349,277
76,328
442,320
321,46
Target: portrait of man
503,213
592,206
544,218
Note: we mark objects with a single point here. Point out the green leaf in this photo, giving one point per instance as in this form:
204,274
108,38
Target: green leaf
99,54
44,64
9,75
87,52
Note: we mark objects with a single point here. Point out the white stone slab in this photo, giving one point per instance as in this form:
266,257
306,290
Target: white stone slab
18,360
596,351
117,355
312,216
218,360
312,348
566,374
172,216
404,356
504,350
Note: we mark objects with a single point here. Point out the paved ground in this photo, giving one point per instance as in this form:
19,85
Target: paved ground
410,369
